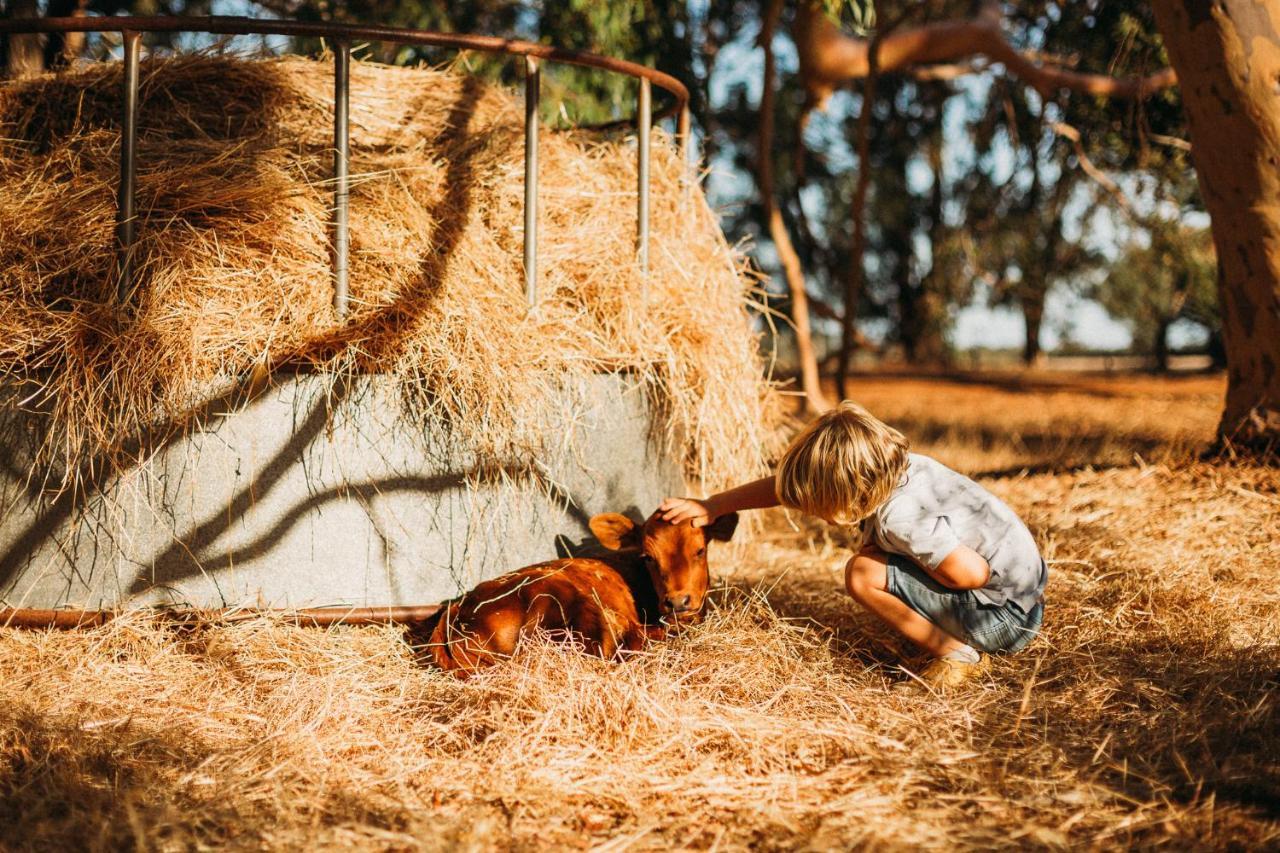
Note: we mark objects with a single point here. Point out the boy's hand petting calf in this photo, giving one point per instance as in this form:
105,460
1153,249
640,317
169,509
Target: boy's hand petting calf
945,563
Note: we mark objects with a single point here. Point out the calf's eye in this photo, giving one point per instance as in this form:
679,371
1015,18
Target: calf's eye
701,551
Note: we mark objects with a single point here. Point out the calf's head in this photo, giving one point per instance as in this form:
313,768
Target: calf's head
675,555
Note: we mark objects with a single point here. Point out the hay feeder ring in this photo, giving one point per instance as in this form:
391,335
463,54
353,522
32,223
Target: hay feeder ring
54,569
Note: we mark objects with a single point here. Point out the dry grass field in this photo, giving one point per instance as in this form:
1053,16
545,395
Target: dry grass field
1145,715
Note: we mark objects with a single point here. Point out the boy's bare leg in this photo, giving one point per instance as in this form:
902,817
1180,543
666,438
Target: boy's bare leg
866,577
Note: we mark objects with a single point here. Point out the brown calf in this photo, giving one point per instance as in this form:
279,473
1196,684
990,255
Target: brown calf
650,574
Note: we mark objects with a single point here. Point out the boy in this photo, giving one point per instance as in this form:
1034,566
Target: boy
944,562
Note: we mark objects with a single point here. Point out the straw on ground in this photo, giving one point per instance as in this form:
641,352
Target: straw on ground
1146,715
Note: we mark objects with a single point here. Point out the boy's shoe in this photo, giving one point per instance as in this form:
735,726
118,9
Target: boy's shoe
943,674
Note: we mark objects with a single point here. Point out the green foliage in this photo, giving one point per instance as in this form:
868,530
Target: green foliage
1120,39
650,32
860,15
1173,276
1021,245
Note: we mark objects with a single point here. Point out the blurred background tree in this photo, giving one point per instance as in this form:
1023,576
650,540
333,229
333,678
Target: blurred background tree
1172,277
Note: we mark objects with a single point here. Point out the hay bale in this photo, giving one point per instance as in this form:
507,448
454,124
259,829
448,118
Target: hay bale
234,270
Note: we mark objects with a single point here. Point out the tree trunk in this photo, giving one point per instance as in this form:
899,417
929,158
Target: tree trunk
922,332
1160,345
814,399
856,278
1033,315
931,304
855,281
1216,350
1227,56
914,322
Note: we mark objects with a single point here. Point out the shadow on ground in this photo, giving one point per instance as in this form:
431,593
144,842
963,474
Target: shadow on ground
125,785
1073,447
1160,711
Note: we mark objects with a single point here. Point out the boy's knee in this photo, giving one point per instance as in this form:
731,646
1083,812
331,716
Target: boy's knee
865,572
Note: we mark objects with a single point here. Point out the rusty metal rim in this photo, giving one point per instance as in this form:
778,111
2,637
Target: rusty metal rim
307,617
241,26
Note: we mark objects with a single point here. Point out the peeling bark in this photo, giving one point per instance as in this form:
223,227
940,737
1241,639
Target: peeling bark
1227,55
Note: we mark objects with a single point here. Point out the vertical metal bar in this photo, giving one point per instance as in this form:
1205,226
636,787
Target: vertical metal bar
684,139
532,90
341,172
645,121
126,214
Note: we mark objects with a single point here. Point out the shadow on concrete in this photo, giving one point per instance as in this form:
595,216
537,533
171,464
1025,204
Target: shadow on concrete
97,476
377,337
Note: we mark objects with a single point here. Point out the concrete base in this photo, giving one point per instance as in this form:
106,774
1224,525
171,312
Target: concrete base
302,497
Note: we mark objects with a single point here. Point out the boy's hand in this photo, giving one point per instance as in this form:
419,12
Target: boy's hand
677,510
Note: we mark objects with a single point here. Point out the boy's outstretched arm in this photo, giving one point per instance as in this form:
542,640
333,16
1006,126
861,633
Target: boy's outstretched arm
758,494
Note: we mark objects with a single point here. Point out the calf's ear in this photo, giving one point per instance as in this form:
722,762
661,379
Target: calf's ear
614,530
722,528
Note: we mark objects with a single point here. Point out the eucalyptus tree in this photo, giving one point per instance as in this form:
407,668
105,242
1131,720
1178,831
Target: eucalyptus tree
1226,55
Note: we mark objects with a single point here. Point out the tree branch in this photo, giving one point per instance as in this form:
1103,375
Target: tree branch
815,401
946,71
1171,141
1099,176
829,58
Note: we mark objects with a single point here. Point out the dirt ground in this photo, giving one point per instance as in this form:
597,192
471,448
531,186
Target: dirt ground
1145,715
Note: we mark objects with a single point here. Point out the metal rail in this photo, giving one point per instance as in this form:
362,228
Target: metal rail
532,93
342,36
684,139
341,171
644,121
126,215
308,617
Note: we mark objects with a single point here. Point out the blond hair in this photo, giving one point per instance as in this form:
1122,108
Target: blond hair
843,465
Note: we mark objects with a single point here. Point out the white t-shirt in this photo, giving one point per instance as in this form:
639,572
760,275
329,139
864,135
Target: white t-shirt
935,509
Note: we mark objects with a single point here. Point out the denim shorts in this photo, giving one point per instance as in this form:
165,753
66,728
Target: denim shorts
986,627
